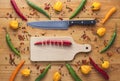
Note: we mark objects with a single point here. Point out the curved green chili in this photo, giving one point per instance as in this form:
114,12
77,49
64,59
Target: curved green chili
37,8
72,72
110,42
8,40
80,7
43,73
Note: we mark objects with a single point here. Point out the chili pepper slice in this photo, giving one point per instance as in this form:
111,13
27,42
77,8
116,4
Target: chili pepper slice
43,73
110,43
17,10
72,72
102,72
37,8
80,7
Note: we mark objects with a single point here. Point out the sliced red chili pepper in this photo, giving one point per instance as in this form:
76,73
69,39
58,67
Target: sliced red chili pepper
54,42
102,72
17,10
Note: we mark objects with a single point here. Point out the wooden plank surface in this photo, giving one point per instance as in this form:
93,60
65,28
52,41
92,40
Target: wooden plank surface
7,14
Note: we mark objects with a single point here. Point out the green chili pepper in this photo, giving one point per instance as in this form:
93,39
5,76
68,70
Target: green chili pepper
72,72
8,40
43,73
110,42
37,8
80,7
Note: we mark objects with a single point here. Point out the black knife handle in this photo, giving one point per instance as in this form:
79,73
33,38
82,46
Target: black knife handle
82,22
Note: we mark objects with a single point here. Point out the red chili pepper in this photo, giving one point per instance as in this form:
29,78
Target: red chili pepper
102,72
18,10
59,43
54,42
48,42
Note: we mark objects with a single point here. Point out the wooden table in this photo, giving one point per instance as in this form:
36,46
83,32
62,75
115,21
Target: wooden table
21,39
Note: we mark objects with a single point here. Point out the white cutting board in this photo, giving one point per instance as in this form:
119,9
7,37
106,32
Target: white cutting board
55,52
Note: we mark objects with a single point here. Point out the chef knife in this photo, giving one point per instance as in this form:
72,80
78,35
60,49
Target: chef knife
57,24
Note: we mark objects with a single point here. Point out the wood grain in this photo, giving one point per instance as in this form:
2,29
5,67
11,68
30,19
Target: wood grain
21,39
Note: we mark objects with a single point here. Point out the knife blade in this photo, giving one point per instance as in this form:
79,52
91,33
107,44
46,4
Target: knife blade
60,24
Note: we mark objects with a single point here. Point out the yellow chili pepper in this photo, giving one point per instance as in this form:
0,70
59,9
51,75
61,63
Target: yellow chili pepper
14,24
25,72
58,6
105,64
56,76
101,31
85,69
96,6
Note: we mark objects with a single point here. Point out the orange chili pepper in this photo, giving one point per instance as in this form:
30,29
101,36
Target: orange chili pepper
110,12
16,71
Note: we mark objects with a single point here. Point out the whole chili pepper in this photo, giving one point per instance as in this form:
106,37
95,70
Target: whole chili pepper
110,43
109,14
17,10
8,40
80,7
43,73
72,72
37,8
19,66
102,72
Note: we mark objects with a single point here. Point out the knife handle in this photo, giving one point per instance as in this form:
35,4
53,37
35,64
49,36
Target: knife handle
82,22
